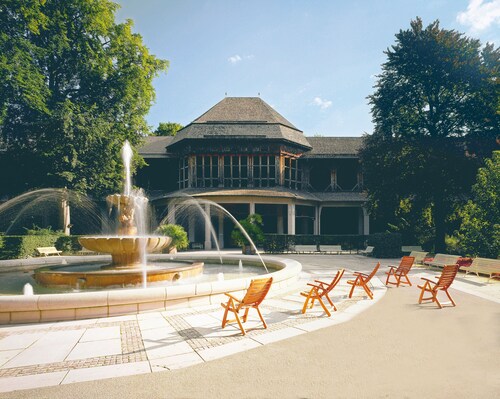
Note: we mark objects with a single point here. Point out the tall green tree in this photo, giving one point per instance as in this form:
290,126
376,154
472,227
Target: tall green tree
167,129
480,229
436,114
74,85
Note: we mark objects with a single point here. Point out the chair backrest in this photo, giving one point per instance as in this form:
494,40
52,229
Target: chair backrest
257,291
447,276
334,282
406,263
373,272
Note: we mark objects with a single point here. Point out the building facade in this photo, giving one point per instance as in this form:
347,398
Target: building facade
244,156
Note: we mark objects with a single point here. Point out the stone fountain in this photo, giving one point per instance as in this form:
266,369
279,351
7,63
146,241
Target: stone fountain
128,249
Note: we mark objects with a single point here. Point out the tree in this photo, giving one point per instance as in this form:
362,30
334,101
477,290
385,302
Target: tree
74,86
435,114
167,129
480,230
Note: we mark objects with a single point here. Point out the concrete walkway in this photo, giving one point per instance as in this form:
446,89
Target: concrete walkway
394,337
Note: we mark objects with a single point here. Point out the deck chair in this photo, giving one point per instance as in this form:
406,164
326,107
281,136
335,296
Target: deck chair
321,289
445,280
362,280
400,271
255,294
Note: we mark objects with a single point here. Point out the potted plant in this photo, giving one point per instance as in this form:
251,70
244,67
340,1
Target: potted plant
253,226
178,235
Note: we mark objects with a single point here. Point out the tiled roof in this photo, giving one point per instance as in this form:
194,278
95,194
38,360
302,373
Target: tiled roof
324,147
247,118
155,146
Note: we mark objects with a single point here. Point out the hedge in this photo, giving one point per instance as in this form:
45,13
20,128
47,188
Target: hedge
19,247
386,245
276,243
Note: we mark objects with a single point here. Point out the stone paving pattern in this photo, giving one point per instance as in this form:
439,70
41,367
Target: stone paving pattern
171,339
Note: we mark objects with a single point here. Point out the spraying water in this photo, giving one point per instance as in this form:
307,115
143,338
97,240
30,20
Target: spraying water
28,289
127,159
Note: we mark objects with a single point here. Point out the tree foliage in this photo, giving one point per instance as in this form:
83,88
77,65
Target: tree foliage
435,111
167,129
74,86
480,229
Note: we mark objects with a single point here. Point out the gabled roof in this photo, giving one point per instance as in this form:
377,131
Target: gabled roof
242,118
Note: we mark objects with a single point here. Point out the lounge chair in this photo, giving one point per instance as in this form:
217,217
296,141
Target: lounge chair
367,251
321,289
445,280
255,294
489,267
362,280
400,271
441,260
419,256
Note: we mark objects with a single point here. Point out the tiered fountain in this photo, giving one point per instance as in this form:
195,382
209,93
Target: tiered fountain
128,249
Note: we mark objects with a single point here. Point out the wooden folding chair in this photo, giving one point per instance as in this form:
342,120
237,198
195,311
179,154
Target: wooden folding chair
319,290
255,294
362,280
445,280
400,271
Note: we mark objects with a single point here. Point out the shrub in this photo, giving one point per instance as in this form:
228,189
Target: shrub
16,247
68,244
177,233
386,245
252,225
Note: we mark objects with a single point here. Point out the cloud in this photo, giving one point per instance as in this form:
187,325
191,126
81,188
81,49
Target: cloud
323,104
234,59
480,14
237,58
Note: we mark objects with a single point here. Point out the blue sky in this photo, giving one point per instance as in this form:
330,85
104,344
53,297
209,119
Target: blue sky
314,61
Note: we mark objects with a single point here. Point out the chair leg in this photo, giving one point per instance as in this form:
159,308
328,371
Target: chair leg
245,316
324,307
354,283
407,279
239,323
424,289
226,306
435,299
367,290
449,296
261,318
329,300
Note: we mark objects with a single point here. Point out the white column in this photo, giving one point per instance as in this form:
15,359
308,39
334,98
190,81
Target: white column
171,213
221,230
366,222
316,220
291,219
251,208
208,225
191,228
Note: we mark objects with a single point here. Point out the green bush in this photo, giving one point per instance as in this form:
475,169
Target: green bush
386,245
18,247
68,244
253,226
177,233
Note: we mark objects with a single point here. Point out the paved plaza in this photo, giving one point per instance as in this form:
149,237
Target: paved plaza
61,353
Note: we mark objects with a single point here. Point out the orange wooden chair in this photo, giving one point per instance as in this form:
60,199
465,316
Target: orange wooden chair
400,271
319,290
255,294
445,280
362,280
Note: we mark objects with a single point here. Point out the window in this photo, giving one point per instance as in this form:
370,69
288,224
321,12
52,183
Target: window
235,171
207,171
293,174
264,171
183,172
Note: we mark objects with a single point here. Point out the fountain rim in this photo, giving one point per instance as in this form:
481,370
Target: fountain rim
107,303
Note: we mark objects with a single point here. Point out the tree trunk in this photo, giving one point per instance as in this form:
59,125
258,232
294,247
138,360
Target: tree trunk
439,216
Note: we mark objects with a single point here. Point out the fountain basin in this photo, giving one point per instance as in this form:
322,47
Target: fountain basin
109,276
126,251
74,306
